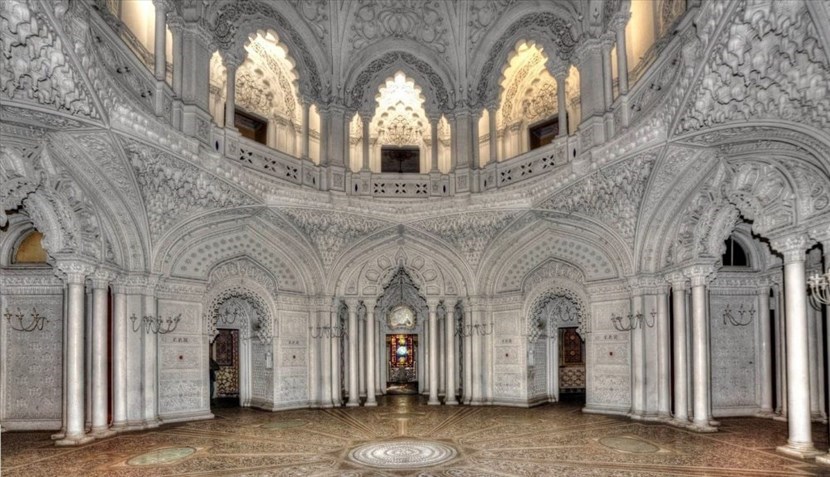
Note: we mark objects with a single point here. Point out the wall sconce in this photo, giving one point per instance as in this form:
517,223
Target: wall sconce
155,324
34,322
634,321
728,317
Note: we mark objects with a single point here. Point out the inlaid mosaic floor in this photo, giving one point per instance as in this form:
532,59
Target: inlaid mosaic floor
429,441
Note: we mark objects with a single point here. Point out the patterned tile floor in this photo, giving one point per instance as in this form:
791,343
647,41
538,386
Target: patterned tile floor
488,441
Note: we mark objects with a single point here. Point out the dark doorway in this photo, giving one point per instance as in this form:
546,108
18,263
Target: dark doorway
400,159
571,362
224,363
543,133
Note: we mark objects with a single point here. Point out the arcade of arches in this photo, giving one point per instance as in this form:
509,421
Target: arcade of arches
608,213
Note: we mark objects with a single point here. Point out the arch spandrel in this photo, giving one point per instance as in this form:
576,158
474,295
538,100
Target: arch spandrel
370,71
232,22
553,26
432,267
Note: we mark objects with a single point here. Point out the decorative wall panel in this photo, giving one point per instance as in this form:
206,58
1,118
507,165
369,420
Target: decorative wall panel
608,382
183,369
733,355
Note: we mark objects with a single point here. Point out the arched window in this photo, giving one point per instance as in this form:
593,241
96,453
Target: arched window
735,255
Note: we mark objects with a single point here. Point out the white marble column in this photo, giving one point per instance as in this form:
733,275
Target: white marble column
449,332
800,442
561,99
468,353
680,342
492,112
354,397
361,353
622,56
150,375
119,356
781,350
765,350
75,273
433,353
476,355
231,64
434,141
338,331
306,130
442,356
700,275
371,353
366,140
160,46
813,317
664,355
607,76
330,365
822,234
100,281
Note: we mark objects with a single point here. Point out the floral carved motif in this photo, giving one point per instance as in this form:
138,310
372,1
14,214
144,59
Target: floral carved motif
420,21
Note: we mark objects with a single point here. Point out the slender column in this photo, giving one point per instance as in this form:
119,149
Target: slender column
231,64
433,125
354,397
813,358
450,354
336,362
800,442
822,234
622,55
361,354
561,99
475,146
607,80
782,360
433,353
638,356
766,350
366,122
700,276
492,111
314,358
681,393
371,340
150,355
442,356
119,357
75,275
468,354
160,47
477,357
425,347
324,136
178,77
664,355
306,120
100,374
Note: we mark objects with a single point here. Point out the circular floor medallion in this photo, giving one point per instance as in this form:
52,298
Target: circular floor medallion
161,456
284,424
403,454
629,444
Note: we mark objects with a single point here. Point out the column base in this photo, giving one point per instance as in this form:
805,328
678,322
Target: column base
119,426
433,401
102,433
74,440
451,403
765,414
371,403
803,450
697,427
352,404
58,435
780,417
679,422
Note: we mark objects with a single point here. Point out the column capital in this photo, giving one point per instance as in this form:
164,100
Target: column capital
591,46
700,274
102,277
232,60
619,21
74,271
352,303
821,234
370,304
432,304
793,247
677,280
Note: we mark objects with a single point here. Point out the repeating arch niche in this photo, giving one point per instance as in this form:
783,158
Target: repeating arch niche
554,308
